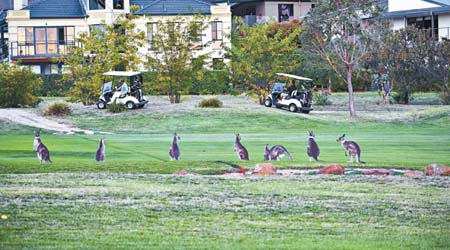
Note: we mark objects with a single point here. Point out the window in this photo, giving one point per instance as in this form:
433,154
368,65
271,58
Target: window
218,64
97,29
285,12
217,30
44,40
118,4
151,31
426,23
25,35
96,4
195,32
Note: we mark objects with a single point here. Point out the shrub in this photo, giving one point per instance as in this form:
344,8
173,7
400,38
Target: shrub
321,98
116,107
17,86
210,103
54,85
58,109
233,91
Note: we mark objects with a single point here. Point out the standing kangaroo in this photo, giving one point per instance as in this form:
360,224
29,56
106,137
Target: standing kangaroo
174,150
352,148
240,150
276,153
312,150
101,151
42,151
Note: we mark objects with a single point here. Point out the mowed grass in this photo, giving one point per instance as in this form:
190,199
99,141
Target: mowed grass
130,202
139,211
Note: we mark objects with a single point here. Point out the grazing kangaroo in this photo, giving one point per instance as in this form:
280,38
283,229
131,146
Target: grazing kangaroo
174,150
312,150
276,153
101,151
42,151
352,148
240,150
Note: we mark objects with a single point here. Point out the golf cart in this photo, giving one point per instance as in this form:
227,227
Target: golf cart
132,96
300,99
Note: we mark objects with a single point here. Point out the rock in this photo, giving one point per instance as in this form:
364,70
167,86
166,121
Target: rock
332,169
436,169
184,172
377,172
413,173
265,169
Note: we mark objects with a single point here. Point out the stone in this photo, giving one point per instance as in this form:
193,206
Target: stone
377,172
264,169
332,169
436,169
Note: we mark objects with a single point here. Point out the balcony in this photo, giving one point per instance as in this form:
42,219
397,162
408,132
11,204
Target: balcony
251,20
22,50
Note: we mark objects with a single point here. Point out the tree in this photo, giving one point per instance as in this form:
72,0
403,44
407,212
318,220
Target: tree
409,58
177,56
341,32
17,85
260,51
113,48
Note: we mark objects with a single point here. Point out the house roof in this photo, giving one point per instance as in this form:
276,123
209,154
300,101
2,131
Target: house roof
444,8
172,7
56,9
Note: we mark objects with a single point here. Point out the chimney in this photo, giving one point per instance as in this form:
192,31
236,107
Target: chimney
20,4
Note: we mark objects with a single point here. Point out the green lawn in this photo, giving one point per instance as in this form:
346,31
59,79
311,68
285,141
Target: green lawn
125,202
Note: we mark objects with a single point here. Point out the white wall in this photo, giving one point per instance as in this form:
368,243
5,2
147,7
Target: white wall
399,5
444,24
398,23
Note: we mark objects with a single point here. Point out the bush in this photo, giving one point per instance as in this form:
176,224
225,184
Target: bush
17,86
210,103
58,109
54,85
116,107
321,98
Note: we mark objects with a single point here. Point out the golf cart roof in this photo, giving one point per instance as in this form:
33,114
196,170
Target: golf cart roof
121,73
294,76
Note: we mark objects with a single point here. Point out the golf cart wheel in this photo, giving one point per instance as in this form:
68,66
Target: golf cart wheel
293,108
305,111
130,105
101,105
268,102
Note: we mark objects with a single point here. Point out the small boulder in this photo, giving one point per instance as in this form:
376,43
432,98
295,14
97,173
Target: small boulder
413,173
332,169
436,169
377,172
264,169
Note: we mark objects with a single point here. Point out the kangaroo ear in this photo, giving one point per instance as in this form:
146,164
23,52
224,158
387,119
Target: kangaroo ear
343,135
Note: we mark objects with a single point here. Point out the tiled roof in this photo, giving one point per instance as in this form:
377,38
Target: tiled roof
172,7
56,9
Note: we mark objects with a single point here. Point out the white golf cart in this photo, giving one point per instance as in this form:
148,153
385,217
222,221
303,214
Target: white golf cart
300,99
132,96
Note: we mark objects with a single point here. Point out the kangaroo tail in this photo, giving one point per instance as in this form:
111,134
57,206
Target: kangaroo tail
287,152
315,158
363,162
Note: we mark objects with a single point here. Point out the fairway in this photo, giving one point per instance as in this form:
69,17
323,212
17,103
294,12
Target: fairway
133,200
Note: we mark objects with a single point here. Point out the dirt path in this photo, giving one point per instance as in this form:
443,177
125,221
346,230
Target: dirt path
29,118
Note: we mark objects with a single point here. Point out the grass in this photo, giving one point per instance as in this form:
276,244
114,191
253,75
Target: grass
138,211
125,202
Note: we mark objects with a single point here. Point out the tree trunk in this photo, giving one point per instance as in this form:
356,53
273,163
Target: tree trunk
177,98
330,83
351,107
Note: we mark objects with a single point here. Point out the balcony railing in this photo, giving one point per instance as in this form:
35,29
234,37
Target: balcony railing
40,50
251,20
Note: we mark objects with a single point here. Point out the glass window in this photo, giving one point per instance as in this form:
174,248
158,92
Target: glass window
216,28
285,12
151,31
118,4
96,4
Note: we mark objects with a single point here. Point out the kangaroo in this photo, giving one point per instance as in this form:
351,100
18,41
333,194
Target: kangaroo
240,150
100,156
352,148
276,153
42,151
312,150
174,150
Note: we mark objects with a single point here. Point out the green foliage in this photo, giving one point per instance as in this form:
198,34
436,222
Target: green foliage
213,82
176,58
116,107
115,48
58,109
261,51
210,103
233,91
17,86
54,85
321,98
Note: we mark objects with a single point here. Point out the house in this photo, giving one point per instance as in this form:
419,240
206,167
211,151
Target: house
4,7
433,15
262,11
41,31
